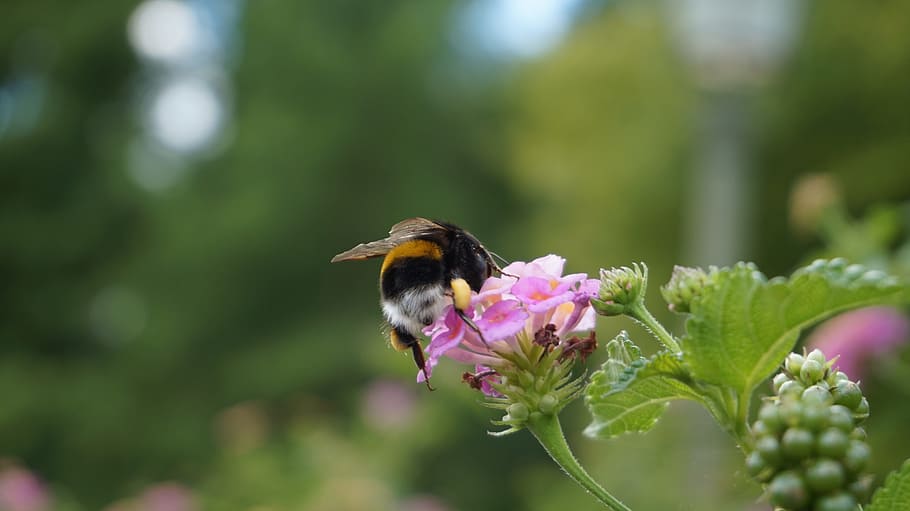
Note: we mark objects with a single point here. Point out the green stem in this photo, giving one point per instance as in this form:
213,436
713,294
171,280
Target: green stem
742,421
547,430
641,314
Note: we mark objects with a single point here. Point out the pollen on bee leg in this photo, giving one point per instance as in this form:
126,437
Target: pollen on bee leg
461,294
397,342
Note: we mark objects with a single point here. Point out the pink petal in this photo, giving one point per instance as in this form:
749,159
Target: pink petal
503,319
547,266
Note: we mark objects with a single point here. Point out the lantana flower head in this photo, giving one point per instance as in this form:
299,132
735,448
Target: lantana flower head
523,321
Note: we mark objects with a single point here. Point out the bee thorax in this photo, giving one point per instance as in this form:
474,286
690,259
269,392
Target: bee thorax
415,308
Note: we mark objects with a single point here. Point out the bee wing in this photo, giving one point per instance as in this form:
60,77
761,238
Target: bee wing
401,232
365,251
412,228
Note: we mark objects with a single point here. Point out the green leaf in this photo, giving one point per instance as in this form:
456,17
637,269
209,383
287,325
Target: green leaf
894,495
743,325
633,402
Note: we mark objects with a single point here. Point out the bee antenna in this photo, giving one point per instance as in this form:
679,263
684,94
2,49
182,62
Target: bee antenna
501,259
490,256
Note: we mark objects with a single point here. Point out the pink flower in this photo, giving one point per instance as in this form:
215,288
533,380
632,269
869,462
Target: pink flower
860,335
388,405
20,490
526,298
168,497
501,320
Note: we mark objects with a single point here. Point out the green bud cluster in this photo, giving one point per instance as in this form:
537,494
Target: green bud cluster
809,448
685,286
621,289
534,381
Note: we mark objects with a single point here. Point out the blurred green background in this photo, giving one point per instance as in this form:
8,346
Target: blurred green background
175,176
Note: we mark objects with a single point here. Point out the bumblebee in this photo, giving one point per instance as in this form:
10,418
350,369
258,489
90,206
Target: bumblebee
425,262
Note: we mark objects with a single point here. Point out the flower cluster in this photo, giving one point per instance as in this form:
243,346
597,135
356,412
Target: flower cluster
520,337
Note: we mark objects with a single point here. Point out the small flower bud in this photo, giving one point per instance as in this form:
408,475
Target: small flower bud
518,411
825,475
832,443
861,488
770,416
769,448
818,356
847,393
815,416
816,395
790,410
812,371
620,288
796,443
857,456
836,376
759,428
548,403
792,388
755,464
788,490
685,286
840,417
779,379
861,412
840,501
794,363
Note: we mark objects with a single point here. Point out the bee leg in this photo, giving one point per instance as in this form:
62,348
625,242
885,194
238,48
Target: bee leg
421,363
402,341
464,317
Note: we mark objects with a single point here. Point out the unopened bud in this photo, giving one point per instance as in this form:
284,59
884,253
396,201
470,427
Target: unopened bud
620,288
685,286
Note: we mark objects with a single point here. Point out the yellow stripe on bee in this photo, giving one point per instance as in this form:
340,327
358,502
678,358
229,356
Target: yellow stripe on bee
413,248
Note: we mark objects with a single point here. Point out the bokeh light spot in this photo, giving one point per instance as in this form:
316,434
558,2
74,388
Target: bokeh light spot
186,115
165,30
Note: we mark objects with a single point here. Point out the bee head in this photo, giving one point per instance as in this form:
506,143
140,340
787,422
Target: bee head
467,259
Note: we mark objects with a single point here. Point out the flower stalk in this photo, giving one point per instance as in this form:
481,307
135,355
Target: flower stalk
622,292
548,431
640,313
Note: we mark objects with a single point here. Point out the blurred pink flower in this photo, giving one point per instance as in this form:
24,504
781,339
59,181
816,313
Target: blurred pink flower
524,300
423,503
168,497
860,335
388,405
20,490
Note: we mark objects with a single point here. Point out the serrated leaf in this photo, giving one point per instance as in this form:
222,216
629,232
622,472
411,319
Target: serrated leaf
894,495
743,325
634,402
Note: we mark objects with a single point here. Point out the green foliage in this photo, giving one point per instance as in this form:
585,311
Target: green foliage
635,402
743,325
894,495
